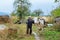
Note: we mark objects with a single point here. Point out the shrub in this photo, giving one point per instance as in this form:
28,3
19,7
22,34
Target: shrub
56,27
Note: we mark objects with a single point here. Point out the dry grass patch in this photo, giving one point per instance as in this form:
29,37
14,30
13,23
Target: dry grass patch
18,34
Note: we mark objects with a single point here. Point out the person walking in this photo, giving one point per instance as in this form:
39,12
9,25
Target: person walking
29,25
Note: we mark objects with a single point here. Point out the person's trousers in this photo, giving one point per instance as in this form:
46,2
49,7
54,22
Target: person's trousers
29,30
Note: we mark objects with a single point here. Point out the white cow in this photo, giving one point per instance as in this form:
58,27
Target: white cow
35,20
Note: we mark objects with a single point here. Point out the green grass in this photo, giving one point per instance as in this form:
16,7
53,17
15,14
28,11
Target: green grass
50,35
34,28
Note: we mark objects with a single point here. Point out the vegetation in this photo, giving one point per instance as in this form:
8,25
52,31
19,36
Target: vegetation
21,8
56,12
20,35
49,34
57,0
52,33
38,12
13,14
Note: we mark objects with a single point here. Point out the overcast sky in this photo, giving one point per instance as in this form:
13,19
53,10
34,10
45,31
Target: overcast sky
6,6
44,5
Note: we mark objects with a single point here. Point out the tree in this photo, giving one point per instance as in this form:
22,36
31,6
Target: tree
13,14
57,0
56,12
38,12
32,14
21,7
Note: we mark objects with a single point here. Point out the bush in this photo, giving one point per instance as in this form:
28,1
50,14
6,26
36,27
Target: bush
56,27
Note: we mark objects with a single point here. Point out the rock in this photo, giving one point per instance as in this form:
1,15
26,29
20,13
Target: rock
2,27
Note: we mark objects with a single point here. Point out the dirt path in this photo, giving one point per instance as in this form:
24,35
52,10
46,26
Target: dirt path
36,36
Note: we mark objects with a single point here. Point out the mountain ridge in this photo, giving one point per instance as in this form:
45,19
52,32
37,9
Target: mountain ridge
3,13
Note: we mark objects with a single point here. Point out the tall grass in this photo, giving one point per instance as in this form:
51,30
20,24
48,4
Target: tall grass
21,33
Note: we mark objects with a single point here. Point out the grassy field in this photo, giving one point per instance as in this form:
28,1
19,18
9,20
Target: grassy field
21,33
48,34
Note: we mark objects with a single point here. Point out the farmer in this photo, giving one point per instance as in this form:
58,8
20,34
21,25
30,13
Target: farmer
29,25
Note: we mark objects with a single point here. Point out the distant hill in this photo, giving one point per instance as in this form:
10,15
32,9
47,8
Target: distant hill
3,14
